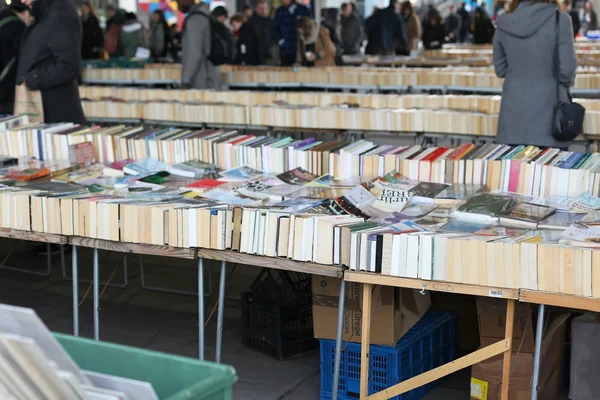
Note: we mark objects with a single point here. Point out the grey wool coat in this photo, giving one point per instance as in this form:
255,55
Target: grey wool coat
196,71
524,52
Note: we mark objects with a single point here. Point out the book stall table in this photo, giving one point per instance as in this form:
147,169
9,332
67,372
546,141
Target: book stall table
368,280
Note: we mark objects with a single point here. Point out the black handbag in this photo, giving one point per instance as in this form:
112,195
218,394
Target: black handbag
568,117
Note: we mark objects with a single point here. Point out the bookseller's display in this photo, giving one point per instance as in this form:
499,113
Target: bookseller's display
493,215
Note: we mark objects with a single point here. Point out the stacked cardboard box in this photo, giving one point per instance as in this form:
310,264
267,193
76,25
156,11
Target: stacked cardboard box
486,377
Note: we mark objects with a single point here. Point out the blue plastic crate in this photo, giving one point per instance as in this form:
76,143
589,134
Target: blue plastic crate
427,345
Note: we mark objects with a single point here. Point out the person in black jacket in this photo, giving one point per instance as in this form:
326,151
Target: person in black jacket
11,30
433,29
465,19
386,31
263,25
50,59
247,45
481,27
568,8
92,40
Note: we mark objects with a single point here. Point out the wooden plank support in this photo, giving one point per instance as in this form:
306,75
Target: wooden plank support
508,332
560,300
135,248
444,370
436,286
365,341
33,236
271,262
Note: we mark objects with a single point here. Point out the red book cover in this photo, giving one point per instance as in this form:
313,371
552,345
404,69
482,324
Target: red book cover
242,139
513,179
205,184
28,174
434,155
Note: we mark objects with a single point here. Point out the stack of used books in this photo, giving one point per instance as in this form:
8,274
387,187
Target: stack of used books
528,170
390,224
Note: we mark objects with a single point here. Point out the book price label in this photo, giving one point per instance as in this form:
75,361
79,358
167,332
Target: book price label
496,293
479,389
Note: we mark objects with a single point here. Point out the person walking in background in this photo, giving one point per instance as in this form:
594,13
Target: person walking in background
12,26
247,11
413,25
115,18
197,72
247,45
284,29
315,47
262,25
92,40
433,29
453,25
590,19
384,28
160,35
50,59
351,30
568,8
465,19
482,27
132,36
175,36
221,14
524,55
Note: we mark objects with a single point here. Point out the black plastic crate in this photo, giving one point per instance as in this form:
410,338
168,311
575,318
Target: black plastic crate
282,287
280,331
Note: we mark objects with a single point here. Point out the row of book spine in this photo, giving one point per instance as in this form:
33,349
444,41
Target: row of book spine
457,258
324,118
522,169
460,77
470,103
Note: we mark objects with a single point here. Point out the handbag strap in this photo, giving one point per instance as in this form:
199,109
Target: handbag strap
557,57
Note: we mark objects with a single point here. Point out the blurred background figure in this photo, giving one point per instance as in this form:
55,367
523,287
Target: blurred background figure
386,31
352,33
160,35
568,8
482,27
92,40
465,19
247,45
132,36
590,19
284,29
262,24
115,18
413,25
175,43
12,26
247,11
221,14
50,60
433,29
315,47
452,25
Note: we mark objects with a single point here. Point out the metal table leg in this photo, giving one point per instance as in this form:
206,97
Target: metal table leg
537,353
338,339
96,297
200,309
75,292
220,313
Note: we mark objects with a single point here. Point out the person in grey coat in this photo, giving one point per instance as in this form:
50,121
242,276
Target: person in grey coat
196,71
132,36
352,30
524,48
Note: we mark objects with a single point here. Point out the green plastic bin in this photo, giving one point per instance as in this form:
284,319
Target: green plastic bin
173,377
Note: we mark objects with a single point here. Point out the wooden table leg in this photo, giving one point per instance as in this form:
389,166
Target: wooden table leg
365,341
510,319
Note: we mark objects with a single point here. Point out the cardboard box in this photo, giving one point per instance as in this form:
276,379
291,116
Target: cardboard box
492,323
486,377
394,311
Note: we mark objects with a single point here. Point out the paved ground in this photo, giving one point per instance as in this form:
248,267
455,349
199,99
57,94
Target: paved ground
168,322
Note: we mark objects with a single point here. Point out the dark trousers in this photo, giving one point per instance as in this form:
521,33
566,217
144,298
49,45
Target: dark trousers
287,61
